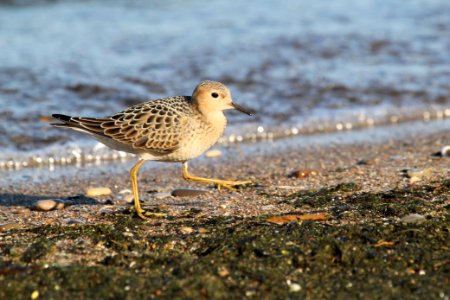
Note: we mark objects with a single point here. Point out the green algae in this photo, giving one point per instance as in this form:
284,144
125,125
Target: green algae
38,250
248,257
397,202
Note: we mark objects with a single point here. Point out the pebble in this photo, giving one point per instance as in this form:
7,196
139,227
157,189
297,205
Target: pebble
223,272
106,210
412,218
414,179
125,191
48,204
344,168
99,191
21,211
268,207
128,198
213,153
34,295
202,230
121,203
367,162
445,151
74,221
161,195
188,192
186,230
303,173
416,175
9,226
250,293
295,287
420,173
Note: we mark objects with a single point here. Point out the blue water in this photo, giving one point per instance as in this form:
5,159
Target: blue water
305,66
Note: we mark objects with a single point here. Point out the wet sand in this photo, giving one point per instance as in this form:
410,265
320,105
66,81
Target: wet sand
219,244
374,166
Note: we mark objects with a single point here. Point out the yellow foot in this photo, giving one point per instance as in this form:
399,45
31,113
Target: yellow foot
229,184
148,215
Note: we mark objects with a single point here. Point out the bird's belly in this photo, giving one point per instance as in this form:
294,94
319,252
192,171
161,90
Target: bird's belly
193,146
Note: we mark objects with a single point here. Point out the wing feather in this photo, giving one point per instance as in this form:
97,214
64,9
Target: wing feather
156,126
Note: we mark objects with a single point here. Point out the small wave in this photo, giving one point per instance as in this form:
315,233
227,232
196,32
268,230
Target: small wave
87,152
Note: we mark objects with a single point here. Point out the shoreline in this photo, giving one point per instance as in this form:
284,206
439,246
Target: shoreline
380,228
79,150
264,146
335,158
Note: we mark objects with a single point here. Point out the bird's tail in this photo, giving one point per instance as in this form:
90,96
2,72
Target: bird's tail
66,121
87,125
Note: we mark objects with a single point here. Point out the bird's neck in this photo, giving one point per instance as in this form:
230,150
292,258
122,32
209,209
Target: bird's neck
216,119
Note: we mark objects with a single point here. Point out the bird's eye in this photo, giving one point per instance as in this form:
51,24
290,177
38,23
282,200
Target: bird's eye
215,95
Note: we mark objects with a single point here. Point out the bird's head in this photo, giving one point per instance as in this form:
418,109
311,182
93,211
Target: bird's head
212,96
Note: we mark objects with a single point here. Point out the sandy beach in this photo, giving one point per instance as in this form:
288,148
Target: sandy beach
385,203
350,193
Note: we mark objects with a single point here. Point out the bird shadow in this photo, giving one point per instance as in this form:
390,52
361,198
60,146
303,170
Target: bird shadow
8,200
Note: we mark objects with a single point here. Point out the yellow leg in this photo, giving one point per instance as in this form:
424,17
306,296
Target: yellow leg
137,204
229,184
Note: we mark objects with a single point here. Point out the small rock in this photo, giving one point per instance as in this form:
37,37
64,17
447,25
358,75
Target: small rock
223,272
303,173
161,195
419,174
366,162
250,293
99,191
106,210
445,152
125,191
195,210
410,271
34,295
186,230
268,207
188,192
9,226
413,218
414,179
128,198
21,211
213,153
47,205
344,168
74,221
122,203
295,287
202,230
424,173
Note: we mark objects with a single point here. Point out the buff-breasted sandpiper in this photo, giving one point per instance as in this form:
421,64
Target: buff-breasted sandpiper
174,129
